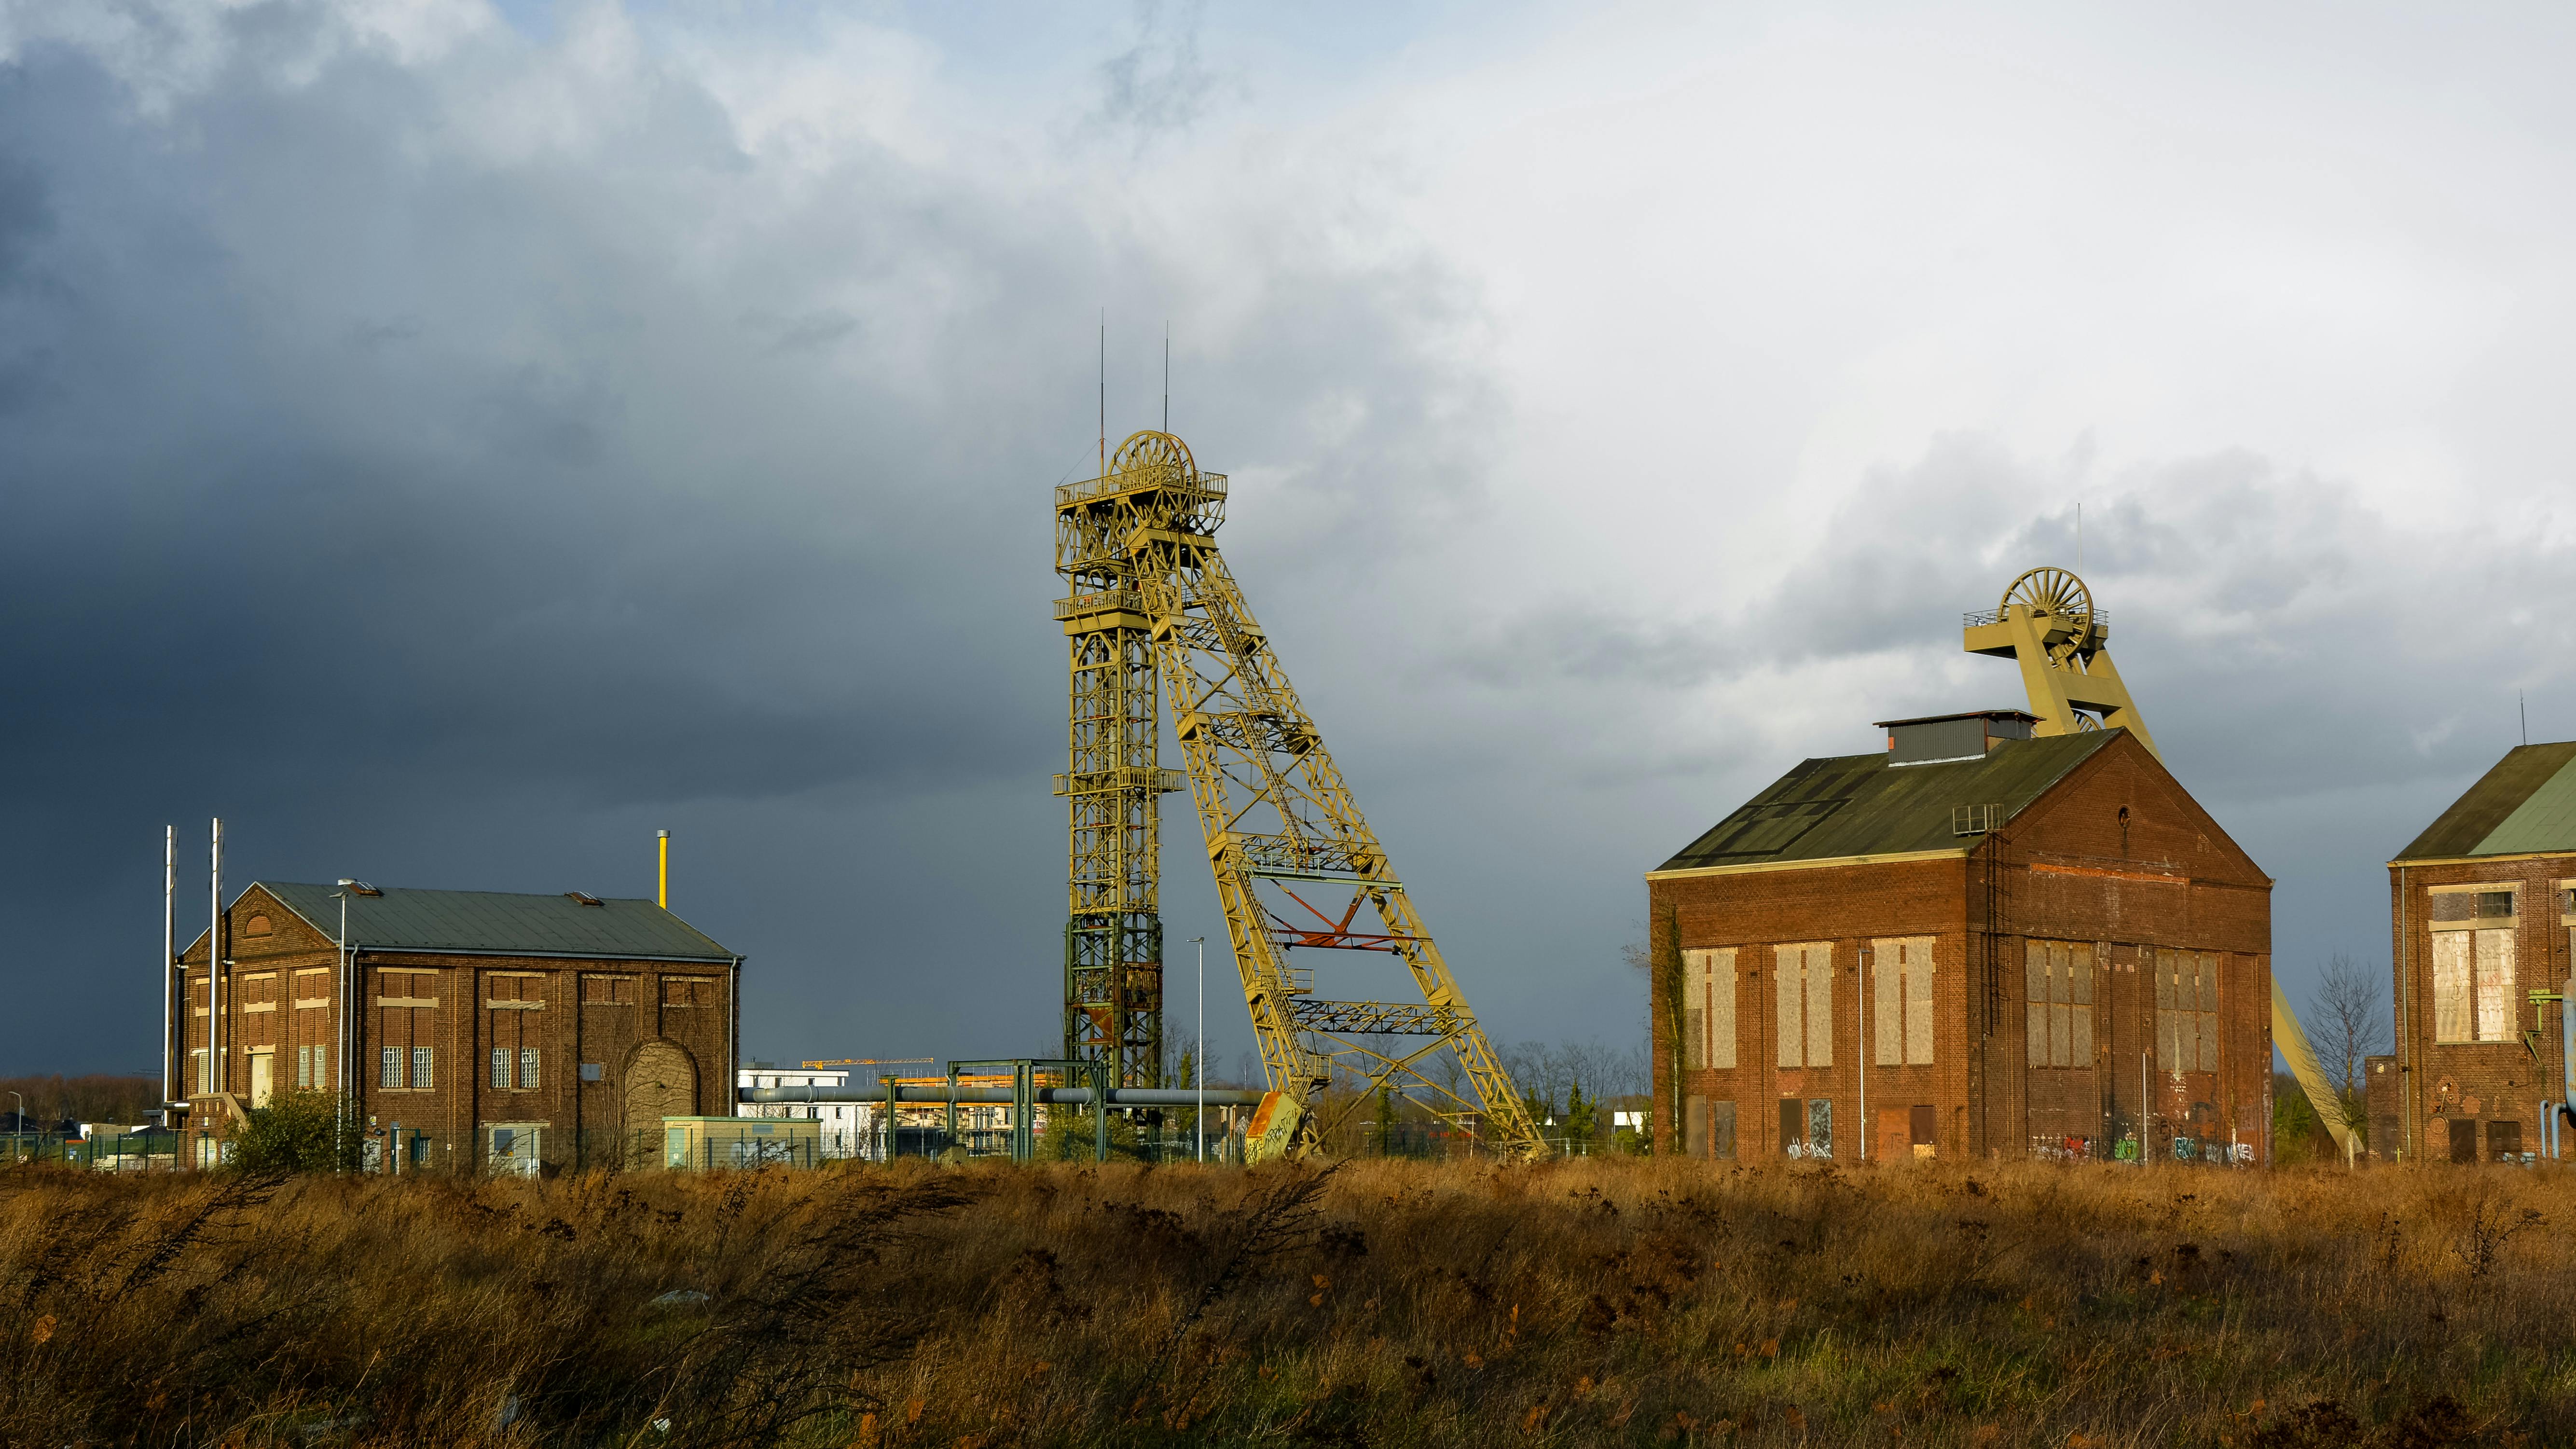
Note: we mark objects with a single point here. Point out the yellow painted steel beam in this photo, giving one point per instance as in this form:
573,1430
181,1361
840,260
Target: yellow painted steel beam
2048,625
2292,1039
1279,822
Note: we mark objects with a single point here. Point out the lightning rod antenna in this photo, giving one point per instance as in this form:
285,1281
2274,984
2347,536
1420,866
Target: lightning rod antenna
1104,392
1167,374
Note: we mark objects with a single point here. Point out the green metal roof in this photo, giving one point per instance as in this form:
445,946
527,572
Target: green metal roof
500,923
1862,805
2525,805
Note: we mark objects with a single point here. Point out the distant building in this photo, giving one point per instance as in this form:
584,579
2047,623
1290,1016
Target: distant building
843,1127
2007,946
2482,911
502,1032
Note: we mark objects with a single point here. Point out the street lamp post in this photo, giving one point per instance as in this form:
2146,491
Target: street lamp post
1198,1054
18,1129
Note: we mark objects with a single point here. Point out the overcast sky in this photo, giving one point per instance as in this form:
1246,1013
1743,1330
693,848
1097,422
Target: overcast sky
452,442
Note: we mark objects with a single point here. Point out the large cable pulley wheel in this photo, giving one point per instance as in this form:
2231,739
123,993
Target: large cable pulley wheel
1150,450
2060,598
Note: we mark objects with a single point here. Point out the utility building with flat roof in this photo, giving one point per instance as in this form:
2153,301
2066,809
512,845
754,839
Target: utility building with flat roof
502,1032
2482,912
1973,943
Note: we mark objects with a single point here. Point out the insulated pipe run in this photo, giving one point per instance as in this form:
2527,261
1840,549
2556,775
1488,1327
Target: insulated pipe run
1045,1096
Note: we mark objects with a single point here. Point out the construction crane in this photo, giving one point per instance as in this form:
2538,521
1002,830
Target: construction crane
1153,605
2047,623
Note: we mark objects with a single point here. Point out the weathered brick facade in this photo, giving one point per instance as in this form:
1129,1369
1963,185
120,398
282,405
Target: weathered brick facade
2079,895
592,1051
2459,1098
2482,913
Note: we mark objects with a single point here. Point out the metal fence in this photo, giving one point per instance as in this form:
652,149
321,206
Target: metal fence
123,1152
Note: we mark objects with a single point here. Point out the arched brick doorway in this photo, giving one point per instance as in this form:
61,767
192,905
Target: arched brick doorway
661,1081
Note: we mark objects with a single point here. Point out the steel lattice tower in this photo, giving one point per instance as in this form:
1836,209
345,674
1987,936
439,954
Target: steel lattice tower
1284,836
1113,930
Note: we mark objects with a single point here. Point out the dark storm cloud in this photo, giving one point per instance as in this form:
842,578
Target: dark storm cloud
460,464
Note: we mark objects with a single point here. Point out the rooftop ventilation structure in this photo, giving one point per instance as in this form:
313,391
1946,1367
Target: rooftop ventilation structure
1940,738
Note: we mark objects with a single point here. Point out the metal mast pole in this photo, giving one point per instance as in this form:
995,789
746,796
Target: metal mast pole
172,979
1198,1053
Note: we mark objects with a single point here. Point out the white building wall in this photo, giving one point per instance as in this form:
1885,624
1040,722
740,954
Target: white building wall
847,1128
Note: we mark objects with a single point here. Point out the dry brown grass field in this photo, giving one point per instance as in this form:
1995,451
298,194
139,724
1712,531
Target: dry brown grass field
1382,1303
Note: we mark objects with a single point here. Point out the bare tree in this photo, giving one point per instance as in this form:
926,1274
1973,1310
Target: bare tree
2351,1015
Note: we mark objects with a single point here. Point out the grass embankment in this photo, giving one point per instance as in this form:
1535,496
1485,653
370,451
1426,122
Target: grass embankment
1383,1304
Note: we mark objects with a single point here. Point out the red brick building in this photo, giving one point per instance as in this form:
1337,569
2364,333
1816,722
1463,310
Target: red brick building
2482,912
1974,943
502,1032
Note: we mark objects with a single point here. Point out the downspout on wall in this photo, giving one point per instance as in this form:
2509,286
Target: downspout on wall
2405,1019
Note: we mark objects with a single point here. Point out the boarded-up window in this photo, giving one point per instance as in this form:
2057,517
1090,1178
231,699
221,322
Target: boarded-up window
2473,977
2495,985
1901,1000
2452,1018
1708,1129
2504,1141
2186,1011
1708,1008
688,991
608,990
2473,961
1804,987
2060,1004
513,1022
407,985
406,1033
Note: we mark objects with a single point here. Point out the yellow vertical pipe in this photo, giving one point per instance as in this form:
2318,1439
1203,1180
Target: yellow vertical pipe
662,896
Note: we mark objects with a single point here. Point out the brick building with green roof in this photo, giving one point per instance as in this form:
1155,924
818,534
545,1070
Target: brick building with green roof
498,1032
1975,943
2482,913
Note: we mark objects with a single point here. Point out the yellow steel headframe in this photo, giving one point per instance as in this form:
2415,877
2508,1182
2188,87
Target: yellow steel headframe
2047,623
